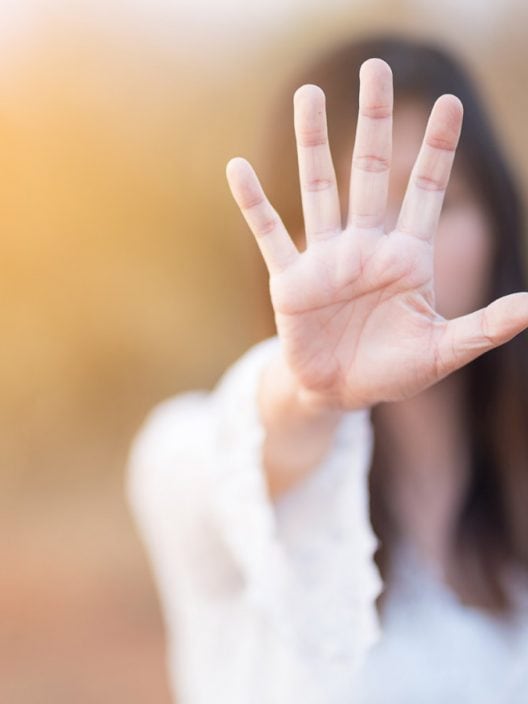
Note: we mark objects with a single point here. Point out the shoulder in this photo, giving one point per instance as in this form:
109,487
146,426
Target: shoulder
183,425
172,442
170,426
183,438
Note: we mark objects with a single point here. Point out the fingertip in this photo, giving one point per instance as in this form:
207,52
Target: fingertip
375,67
309,91
237,170
446,121
234,164
376,97
455,101
452,105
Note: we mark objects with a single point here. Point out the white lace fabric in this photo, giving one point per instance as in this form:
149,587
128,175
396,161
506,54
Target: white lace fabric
307,557
297,574
270,602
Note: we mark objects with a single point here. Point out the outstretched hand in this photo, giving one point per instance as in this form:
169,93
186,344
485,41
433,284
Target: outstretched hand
355,311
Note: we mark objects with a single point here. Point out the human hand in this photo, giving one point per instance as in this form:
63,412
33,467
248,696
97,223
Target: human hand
355,311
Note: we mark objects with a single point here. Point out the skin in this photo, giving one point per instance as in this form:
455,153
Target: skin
380,311
463,243
427,434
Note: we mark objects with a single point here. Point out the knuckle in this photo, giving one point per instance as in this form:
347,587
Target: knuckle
371,162
314,137
318,184
265,227
486,329
436,141
376,112
428,183
252,201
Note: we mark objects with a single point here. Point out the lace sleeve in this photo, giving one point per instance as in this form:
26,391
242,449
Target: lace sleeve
303,563
308,556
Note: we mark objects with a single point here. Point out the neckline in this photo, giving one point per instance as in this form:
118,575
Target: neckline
419,578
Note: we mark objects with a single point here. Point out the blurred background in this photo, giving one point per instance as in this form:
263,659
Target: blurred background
127,275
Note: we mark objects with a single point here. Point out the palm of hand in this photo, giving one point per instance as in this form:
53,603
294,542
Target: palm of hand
357,317
355,310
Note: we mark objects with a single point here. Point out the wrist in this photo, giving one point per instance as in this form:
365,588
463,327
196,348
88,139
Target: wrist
281,387
299,426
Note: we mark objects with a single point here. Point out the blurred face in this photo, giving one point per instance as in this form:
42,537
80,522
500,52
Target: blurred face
464,241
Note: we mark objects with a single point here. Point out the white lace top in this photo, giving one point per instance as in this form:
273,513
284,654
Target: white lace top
274,602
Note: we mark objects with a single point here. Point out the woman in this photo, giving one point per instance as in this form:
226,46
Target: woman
371,419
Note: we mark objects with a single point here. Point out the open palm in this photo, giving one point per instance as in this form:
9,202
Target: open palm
355,311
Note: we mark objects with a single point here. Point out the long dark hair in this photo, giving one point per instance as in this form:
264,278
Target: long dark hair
492,527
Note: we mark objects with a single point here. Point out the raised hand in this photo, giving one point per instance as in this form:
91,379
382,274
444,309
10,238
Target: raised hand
355,311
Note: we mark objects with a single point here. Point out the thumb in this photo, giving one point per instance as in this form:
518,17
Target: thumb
469,336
